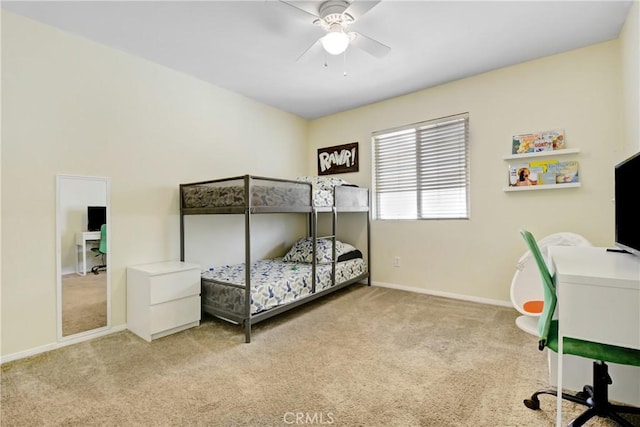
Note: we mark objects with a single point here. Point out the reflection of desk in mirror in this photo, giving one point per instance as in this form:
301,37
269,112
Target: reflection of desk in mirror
81,242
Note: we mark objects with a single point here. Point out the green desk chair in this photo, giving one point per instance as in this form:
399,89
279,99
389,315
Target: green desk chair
101,250
595,396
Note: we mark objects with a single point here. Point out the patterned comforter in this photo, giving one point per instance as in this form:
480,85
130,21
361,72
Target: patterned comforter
203,196
273,283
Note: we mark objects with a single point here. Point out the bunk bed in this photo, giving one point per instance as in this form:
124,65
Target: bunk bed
314,266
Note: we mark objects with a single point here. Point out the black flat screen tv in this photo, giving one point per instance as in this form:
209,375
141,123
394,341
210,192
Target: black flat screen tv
627,212
97,215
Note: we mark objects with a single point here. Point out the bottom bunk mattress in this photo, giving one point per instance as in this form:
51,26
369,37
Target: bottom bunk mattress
273,283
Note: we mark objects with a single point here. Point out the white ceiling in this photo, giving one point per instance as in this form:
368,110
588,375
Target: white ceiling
251,47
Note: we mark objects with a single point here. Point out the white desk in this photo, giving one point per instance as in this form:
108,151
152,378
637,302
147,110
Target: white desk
598,298
81,242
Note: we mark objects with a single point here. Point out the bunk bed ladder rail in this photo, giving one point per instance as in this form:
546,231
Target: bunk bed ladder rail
247,257
313,229
334,223
368,213
314,246
181,224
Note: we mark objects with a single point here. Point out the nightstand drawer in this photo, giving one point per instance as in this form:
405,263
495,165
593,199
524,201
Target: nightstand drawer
171,286
174,313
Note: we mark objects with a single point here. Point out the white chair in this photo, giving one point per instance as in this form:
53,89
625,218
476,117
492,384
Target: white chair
526,292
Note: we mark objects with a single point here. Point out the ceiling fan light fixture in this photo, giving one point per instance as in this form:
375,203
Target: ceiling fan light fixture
335,42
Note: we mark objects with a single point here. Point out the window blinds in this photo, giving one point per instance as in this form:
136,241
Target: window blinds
421,171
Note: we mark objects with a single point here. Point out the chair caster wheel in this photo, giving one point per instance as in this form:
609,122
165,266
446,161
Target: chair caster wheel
583,395
532,403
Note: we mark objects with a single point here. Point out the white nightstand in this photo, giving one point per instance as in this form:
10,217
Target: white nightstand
162,298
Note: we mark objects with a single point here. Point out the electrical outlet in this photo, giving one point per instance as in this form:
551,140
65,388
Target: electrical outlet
396,261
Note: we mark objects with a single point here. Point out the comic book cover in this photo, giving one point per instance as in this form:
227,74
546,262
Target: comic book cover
567,172
544,171
520,175
548,140
522,144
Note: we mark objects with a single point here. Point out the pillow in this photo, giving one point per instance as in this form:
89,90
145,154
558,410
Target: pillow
302,251
350,255
323,182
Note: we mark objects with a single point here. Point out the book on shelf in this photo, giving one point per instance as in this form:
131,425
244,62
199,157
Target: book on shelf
544,172
520,175
567,172
537,142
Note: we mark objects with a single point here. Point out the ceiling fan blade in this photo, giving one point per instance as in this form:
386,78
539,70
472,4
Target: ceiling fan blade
310,11
357,8
317,42
369,45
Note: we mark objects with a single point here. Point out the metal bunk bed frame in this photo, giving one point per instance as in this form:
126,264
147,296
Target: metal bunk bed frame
248,319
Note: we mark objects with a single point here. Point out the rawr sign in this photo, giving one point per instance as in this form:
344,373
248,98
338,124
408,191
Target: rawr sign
338,159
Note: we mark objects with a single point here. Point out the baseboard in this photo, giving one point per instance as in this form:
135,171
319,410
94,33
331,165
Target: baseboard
61,344
444,294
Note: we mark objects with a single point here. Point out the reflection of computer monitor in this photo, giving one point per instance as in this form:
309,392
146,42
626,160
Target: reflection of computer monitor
97,216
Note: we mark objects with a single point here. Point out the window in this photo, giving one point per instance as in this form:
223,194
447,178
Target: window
421,171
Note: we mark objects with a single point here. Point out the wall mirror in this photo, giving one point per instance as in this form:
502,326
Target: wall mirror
83,252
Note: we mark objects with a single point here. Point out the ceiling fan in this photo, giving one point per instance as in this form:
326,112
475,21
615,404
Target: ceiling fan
335,17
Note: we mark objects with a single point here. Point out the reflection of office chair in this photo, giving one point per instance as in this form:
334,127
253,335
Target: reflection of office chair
101,250
595,396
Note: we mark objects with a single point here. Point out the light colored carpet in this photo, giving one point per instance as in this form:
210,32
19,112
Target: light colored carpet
365,356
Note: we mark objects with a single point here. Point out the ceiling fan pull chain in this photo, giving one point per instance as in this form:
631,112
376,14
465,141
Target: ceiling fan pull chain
344,65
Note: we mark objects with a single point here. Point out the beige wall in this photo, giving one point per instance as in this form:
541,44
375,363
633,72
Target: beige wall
75,107
630,49
579,91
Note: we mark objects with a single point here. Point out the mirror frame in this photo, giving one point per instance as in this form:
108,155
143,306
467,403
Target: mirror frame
59,180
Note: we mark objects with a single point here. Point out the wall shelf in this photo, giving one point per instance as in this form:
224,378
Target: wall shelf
541,154
543,187
551,153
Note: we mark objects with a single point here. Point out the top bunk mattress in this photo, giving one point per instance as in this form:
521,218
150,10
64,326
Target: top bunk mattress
298,195
263,192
